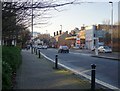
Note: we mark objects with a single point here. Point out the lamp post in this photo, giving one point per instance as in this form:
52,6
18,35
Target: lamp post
111,24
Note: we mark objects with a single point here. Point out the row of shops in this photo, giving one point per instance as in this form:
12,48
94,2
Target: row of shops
88,37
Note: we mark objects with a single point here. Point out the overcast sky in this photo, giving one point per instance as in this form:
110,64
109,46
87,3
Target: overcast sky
76,15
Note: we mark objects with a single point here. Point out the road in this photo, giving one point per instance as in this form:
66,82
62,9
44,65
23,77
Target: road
106,69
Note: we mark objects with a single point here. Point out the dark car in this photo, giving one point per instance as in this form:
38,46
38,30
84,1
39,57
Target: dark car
63,49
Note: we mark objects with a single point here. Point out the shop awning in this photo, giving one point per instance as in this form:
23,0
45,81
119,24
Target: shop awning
71,38
82,37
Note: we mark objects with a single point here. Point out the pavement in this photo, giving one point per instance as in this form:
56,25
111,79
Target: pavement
113,55
39,73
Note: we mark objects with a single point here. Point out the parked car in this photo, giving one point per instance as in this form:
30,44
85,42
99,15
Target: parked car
63,49
34,46
104,49
44,47
28,47
39,46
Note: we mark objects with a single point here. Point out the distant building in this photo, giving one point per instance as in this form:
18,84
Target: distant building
52,42
45,38
91,35
77,37
35,34
60,39
115,35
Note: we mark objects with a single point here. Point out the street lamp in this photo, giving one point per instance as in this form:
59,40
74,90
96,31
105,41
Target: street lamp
111,24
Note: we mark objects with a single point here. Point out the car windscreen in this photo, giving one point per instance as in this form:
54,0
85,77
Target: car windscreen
64,47
106,47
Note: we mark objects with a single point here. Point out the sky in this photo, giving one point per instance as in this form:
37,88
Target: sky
76,15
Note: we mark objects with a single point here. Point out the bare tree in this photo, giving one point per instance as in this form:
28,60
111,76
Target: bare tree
18,13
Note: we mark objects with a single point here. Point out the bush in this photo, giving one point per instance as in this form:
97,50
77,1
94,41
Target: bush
11,60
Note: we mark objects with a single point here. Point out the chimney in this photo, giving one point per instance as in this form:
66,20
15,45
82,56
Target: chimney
54,33
60,32
83,27
95,27
57,32
67,32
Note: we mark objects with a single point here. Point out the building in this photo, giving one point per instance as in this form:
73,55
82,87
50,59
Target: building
35,34
45,38
77,38
52,42
111,40
60,38
94,37
73,39
82,37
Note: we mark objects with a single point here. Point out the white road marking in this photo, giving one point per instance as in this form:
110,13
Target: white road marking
84,54
84,75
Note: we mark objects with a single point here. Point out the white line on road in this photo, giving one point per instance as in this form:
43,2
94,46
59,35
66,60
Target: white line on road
84,54
84,75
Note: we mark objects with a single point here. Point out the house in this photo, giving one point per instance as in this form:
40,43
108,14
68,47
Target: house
71,40
82,37
77,37
60,38
52,42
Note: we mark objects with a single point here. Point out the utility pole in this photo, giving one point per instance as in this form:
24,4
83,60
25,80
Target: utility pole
32,20
32,28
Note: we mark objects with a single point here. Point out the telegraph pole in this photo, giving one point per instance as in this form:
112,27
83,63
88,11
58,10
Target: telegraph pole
32,28
32,20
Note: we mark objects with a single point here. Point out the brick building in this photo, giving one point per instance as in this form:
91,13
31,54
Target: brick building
60,38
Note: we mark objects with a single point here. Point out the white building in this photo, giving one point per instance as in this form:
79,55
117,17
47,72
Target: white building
92,35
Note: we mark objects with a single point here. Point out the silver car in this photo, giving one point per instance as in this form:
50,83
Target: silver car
105,49
63,49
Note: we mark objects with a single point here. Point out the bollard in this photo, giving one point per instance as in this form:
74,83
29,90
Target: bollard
39,53
36,50
32,50
56,61
93,77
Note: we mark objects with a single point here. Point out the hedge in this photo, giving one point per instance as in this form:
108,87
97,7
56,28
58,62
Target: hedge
11,60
